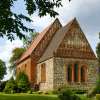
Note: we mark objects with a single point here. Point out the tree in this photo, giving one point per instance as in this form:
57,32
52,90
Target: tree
2,85
22,82
16,54
2,69
98,55
29,38
96,90
11,23
11,86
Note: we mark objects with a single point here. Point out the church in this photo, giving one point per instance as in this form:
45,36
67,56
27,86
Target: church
59,56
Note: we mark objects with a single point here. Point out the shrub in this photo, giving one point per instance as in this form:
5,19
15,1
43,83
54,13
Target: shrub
36,87
40,92
67,94
75,97
30,91
22,82
55,91
11,86
96,89
80,91
98,97
59,89
2,85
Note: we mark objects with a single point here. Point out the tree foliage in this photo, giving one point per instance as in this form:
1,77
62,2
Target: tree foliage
67,94
16,54
29,38
96,90
2,69
2,85
11,86
98,52
22,82
11,23
98,56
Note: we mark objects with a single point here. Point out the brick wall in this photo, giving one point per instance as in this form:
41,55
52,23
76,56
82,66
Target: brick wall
25,66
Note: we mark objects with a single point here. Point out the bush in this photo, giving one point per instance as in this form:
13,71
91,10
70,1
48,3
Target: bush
59,89
79,91
36,87
75,97
2,85
30,91
67,94
96,90
10,87
55,91
98,97
22,82
40,92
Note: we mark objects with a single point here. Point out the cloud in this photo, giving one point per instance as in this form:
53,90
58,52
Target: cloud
6,49
6,52
86,11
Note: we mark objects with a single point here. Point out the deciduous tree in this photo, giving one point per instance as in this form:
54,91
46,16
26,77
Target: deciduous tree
2,69
11,23
16,54
29,38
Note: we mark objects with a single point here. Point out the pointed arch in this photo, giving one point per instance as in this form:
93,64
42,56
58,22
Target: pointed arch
76,72
69,73
83,73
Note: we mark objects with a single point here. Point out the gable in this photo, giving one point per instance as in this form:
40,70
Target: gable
70,42
40,43
55,42
75,44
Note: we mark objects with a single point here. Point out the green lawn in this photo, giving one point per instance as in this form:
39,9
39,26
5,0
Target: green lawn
27,97
85,98
34,97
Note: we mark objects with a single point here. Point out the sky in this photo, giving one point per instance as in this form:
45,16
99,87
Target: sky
87,13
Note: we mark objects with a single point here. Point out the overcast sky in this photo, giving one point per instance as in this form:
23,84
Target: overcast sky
87,13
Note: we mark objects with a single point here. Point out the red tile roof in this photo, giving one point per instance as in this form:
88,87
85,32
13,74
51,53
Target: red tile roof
34,44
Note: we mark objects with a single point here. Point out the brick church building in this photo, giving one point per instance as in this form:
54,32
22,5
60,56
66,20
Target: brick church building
60,55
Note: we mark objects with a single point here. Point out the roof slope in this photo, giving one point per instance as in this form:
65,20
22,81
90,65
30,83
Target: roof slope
37,40
58,38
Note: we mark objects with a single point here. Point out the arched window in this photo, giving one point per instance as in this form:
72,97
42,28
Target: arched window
69,73
43,72
83,74
76,72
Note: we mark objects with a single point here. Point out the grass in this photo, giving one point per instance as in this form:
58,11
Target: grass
27,97
24,96
86,98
